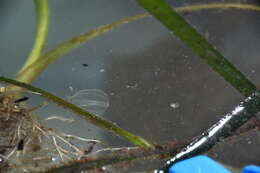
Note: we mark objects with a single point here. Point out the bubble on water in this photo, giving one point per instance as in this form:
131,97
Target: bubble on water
175,105
131,86
93,100
71,88
248,140
54,159
2,159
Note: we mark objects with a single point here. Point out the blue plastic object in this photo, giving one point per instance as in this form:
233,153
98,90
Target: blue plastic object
251,169
199,164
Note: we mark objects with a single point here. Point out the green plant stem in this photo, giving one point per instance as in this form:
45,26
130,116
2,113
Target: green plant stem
42,19
95,120
185,32
32,71
199,7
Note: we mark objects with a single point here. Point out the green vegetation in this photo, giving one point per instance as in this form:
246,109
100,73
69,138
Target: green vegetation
38,60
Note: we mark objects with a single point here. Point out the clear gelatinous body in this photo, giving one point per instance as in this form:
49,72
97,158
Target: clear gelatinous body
93,100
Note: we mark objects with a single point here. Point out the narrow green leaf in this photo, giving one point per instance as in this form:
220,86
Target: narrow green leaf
42,20
222,5
95,120
31,72
185,32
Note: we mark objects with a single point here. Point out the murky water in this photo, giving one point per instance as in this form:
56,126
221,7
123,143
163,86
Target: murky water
178,101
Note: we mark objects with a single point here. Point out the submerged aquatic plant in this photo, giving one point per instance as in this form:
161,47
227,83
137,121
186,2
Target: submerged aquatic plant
26,145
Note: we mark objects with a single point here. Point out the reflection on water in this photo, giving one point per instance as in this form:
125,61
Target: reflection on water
93,100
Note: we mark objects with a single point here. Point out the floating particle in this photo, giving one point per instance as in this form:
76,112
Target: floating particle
2,89
132,86
20,145
2,159
175,105
102,70
85,65
92,100
21,99
71,88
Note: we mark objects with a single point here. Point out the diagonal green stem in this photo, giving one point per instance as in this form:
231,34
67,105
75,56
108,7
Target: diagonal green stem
32,71
222,5
42,13
96,120
207,52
